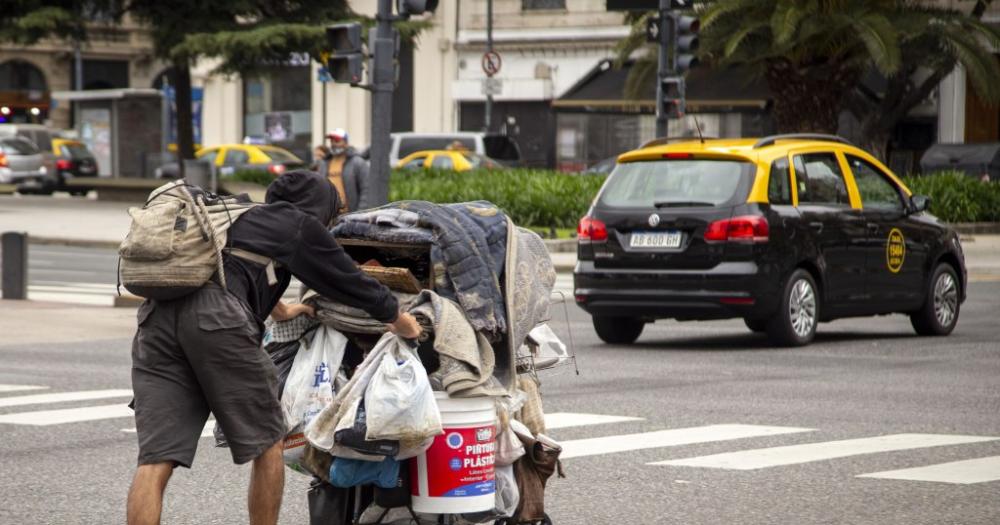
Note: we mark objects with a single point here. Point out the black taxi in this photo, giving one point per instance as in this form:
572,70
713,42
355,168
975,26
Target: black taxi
785,232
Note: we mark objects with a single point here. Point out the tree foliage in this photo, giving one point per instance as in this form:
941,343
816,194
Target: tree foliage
813,54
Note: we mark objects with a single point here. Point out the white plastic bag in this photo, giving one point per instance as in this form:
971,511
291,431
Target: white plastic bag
310,385
399,399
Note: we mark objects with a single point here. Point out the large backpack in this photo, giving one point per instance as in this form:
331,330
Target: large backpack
176,241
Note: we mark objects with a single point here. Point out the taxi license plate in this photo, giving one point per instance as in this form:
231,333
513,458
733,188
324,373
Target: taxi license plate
671,239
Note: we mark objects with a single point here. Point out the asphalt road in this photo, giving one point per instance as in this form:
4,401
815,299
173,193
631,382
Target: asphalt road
861,379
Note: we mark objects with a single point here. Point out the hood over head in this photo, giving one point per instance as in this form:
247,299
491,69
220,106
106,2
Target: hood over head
308,191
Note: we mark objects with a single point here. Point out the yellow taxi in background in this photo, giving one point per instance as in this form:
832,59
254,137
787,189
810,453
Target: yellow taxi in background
455,160
784,232
228,158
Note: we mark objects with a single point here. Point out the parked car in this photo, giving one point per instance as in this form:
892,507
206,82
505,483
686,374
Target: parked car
498,147
23,165
228,158
39,135
602,167
73,161
785,232
448,160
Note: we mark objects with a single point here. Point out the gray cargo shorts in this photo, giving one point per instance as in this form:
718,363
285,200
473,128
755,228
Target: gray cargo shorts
199,354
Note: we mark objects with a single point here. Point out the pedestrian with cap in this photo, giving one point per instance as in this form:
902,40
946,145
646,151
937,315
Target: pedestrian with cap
347,170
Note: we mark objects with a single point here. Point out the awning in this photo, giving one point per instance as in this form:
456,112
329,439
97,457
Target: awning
708,90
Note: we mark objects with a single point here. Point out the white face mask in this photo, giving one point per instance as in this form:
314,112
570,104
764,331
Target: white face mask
336,151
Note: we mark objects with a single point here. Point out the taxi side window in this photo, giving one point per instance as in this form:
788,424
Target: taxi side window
234,157
779,190
877,193
415,164
820,180
442,162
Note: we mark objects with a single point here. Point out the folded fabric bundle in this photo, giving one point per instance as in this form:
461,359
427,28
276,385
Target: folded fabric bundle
349,319
468,244
467,359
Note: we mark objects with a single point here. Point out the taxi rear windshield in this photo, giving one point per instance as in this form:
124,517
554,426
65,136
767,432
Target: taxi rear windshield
675,183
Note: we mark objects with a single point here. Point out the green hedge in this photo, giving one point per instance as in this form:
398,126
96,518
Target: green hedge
261,177
529,197
956,197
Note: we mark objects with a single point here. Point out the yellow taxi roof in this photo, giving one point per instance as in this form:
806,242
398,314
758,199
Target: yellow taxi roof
741,147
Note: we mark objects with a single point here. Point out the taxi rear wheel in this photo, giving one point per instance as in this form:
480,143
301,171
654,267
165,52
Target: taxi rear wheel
939,314
618,330
795,322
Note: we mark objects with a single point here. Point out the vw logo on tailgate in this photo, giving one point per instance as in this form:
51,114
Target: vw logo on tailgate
654,219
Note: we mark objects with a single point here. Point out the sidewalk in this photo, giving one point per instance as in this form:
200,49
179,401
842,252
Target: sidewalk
86,222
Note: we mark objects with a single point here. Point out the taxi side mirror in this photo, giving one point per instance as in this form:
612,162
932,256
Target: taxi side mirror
919,203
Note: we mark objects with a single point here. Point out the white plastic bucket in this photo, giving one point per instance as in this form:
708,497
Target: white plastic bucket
455,475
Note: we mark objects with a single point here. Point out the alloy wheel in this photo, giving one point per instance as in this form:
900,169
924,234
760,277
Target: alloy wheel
802,308
945,299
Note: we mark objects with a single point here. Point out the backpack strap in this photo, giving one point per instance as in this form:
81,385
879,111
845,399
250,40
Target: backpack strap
266,262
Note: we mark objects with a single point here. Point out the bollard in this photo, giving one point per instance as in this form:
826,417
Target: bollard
14,249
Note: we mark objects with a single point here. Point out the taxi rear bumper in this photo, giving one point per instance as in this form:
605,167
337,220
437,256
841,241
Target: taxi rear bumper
729,290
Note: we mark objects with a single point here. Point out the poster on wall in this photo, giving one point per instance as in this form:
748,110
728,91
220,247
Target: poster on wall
95,132
197,96
278,126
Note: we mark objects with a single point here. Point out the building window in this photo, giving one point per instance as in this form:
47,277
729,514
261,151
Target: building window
530,5
276,108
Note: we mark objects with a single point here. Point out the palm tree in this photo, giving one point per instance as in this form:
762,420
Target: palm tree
813,53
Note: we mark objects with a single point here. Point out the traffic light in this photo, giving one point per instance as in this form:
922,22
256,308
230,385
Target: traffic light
346,61
685,42
672,95
405,8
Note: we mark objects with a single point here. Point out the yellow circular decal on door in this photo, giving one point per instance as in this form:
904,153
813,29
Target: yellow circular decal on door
895,250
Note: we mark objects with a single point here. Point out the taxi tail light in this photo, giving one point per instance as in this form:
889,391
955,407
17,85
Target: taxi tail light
276,169
63,164
591,229
746,228
3,160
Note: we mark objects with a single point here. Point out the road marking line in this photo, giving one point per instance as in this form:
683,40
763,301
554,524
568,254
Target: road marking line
572,419
19,388
62,397
966,472
669,438
72,298
795,454
208,431
68,415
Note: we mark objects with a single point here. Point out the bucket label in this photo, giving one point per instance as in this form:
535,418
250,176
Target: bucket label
460,463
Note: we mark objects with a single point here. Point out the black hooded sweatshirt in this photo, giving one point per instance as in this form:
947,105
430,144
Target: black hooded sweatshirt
291,229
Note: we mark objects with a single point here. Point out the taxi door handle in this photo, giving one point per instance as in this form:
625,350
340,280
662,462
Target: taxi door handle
872,228
818,226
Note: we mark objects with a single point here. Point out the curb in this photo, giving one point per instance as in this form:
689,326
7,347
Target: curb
76,243
972,228
560,245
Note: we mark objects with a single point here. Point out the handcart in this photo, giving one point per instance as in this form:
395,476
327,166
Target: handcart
409,268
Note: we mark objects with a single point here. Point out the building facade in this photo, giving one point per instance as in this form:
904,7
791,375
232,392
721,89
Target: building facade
118,56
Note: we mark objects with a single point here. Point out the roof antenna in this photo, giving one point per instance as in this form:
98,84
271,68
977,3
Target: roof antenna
697,126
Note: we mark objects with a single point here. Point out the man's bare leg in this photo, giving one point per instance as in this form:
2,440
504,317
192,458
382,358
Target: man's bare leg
145,497
267,484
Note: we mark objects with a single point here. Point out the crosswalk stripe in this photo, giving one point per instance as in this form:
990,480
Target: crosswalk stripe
62,397
19,388
571,419
67,415
669,438
208,431
966,472
795,454
86,298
